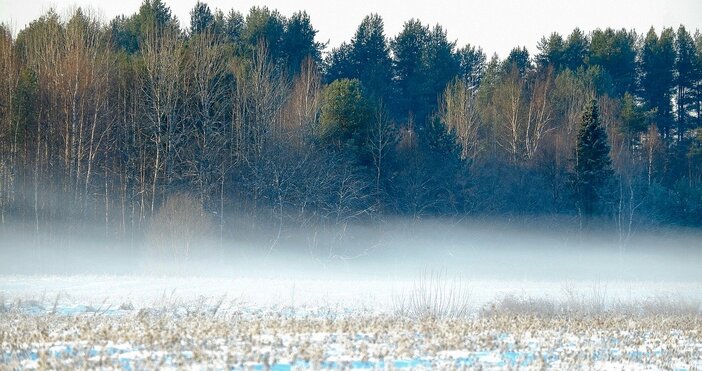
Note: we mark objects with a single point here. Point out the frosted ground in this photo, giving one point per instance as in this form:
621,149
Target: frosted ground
403,299
136,322
374,296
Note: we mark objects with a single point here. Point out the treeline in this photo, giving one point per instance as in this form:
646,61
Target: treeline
247,114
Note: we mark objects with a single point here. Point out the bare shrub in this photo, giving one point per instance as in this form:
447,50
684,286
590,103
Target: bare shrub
661,305
592,302
434,296
176,227
515,305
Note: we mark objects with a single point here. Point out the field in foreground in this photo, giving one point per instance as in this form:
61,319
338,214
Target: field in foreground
144,322
201,337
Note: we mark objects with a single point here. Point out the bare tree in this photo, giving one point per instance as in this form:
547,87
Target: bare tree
43,53
540,115
459,112
8,127
87,73
509,102
300,114
653,151
162,52
205,129
258,99
381,138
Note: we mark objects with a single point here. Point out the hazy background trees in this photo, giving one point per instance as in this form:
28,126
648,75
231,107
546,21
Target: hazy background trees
251,117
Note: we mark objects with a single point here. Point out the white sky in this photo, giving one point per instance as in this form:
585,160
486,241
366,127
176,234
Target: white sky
496,25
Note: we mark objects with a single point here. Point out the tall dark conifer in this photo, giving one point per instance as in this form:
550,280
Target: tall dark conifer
593,166
615,53
657,79
685,78
370,56
201,18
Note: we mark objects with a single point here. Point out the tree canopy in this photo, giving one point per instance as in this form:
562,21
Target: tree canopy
250,113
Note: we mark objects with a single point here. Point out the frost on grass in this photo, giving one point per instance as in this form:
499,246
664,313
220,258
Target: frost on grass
262,339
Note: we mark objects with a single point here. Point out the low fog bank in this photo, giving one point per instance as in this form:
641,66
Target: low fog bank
400,249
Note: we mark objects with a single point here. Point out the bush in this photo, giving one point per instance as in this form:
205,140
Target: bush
176,227
434,297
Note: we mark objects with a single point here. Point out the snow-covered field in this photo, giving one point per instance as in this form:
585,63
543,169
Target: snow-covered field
144,322
260,340
435,295
376,295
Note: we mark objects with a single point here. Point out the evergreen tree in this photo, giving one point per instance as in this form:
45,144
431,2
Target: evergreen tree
593,166
575,50
551,51
366,58
346,115
615,53
339,65
162,14
518,58
657,67
370,57
633,120
201,18
267,27
127,33
441,66
446,172
234,27
298,42
472,62
408,49
424,62
685,78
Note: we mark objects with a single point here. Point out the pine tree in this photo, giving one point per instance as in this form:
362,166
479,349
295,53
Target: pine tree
593,166
657,67
551,51
518,58
234,26
370,57
615,53
563,53
299,44
686,74
265,26
424,62
441,65
338,64
201,18
472,64
345,116
408,49
575,50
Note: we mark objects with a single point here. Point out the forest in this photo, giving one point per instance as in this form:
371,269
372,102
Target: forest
246,116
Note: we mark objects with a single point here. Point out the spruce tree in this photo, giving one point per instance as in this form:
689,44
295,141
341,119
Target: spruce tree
593,166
